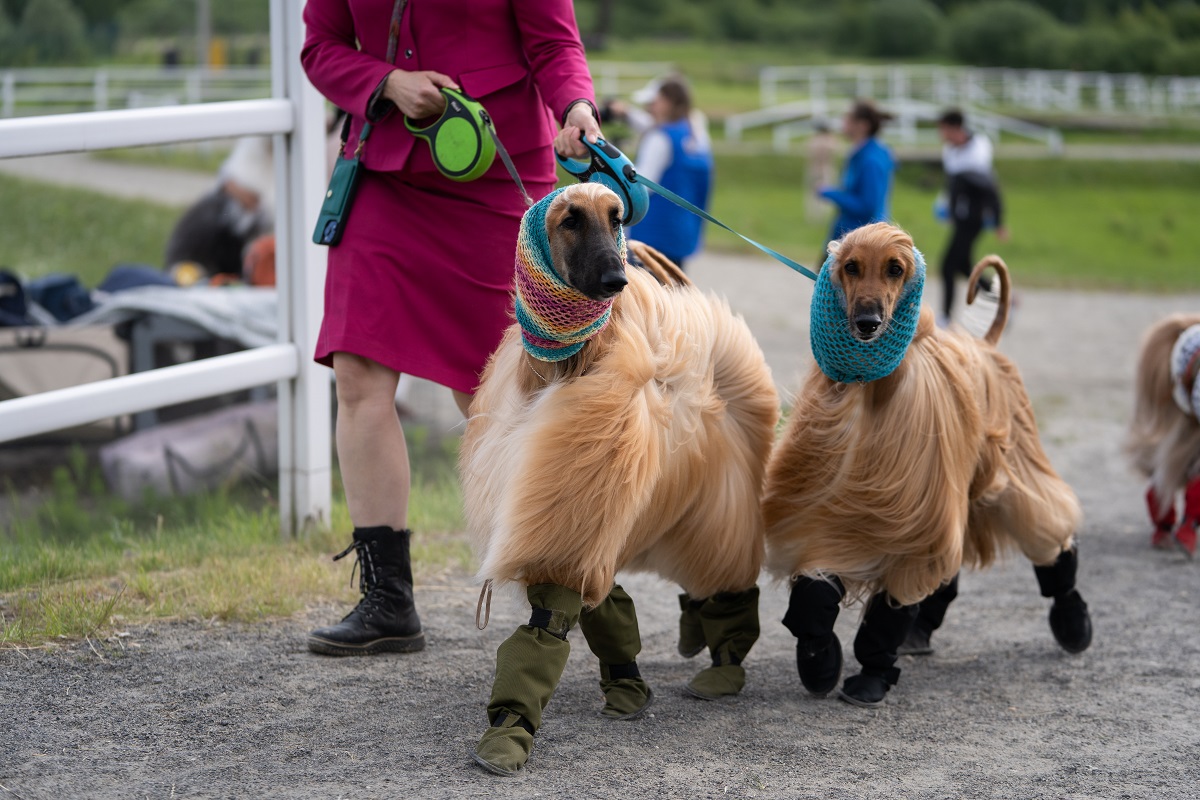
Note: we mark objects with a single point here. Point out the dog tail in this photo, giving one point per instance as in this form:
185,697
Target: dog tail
664,270
993,334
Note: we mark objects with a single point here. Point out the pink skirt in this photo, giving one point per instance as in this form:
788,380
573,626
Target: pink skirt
421,281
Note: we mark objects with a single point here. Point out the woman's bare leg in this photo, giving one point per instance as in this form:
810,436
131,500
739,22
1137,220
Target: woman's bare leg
370,443
464,402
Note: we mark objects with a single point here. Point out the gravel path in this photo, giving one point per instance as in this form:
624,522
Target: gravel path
998,711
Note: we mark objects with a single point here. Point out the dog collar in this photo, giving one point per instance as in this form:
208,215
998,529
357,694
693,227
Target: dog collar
841,355
556,319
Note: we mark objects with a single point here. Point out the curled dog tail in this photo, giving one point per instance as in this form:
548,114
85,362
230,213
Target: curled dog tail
993,334
664,270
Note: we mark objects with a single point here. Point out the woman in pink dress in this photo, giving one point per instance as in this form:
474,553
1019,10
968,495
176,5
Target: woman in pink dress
420,282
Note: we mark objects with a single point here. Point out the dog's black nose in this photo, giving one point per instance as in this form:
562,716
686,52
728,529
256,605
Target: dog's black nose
867,323
613,281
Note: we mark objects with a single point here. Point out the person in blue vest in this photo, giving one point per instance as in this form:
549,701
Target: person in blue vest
867,175
676,152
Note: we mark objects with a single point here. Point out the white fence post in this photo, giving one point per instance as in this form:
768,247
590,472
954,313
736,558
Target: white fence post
8,94
100,90
305,468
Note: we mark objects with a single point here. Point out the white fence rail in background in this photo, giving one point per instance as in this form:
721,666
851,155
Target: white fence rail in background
1058,92
25,92
294,116
40,91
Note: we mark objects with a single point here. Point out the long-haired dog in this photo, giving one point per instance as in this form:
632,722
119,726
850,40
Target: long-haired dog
1164,435
643,450
882,490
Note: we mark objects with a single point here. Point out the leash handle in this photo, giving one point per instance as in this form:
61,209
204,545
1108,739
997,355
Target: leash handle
632,176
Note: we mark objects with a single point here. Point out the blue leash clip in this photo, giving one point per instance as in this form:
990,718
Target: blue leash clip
610,167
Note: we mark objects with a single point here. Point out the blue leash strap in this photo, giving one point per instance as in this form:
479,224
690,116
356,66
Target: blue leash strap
684,204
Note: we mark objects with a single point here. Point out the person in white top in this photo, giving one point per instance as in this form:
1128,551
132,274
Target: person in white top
675,151
974,200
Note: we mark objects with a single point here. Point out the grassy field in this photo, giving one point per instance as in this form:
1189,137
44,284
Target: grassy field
82,563
1073,224
1113,225
50,229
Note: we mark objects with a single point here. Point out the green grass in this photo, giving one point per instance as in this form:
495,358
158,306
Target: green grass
204,157
53,229
83,563
1092,225
1115,225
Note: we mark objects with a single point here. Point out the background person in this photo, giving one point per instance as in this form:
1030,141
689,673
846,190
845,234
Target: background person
867,176
973,201
674,150
420,282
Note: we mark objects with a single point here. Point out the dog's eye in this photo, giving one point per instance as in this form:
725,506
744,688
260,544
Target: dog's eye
616,223
850,268
569,222
895,270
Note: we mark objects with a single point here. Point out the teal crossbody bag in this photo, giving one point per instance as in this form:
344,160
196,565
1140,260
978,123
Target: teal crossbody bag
339,196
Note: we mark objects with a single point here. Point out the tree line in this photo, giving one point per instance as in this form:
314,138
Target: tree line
1150,36
1161,37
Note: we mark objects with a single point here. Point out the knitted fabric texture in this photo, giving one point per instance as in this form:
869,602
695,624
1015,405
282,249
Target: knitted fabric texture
556,319
1185,366
841,355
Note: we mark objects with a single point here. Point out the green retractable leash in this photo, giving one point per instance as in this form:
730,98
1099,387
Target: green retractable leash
457,142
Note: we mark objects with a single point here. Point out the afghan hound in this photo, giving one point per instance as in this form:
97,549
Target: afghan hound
623,423
1164,435
880,491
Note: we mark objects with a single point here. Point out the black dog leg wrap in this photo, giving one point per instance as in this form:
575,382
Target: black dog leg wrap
1058,578
812,610
883,630
933,608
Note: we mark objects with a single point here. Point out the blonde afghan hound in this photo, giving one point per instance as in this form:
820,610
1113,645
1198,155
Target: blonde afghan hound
881,491
643,450
1164,434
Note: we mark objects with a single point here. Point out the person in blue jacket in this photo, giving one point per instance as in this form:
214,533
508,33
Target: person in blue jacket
676,152
867,175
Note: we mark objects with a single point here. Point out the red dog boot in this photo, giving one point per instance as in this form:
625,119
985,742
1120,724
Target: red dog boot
1185,534
1164,520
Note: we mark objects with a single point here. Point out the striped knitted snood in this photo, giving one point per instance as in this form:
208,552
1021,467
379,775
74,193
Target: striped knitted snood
556,319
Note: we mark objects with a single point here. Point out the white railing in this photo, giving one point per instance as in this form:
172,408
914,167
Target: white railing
294,116
39,91
995,89
620,78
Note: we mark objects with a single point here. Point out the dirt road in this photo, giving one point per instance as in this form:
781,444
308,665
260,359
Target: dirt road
997,712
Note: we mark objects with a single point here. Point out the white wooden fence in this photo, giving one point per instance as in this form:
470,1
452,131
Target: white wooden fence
37,91
999,90
25,92
294,116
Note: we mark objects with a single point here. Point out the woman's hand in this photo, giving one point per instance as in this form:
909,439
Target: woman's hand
417,94
580,123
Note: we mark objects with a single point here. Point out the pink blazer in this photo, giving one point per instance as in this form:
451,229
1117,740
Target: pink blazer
521,58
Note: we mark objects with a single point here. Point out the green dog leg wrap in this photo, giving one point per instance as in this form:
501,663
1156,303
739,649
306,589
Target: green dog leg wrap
530,663
611,630
731,628
505,746
691,629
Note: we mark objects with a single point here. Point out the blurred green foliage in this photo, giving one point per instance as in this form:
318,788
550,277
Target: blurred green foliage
1155,36
1152,36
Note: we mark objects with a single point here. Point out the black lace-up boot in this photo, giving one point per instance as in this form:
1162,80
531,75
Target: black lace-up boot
385,619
